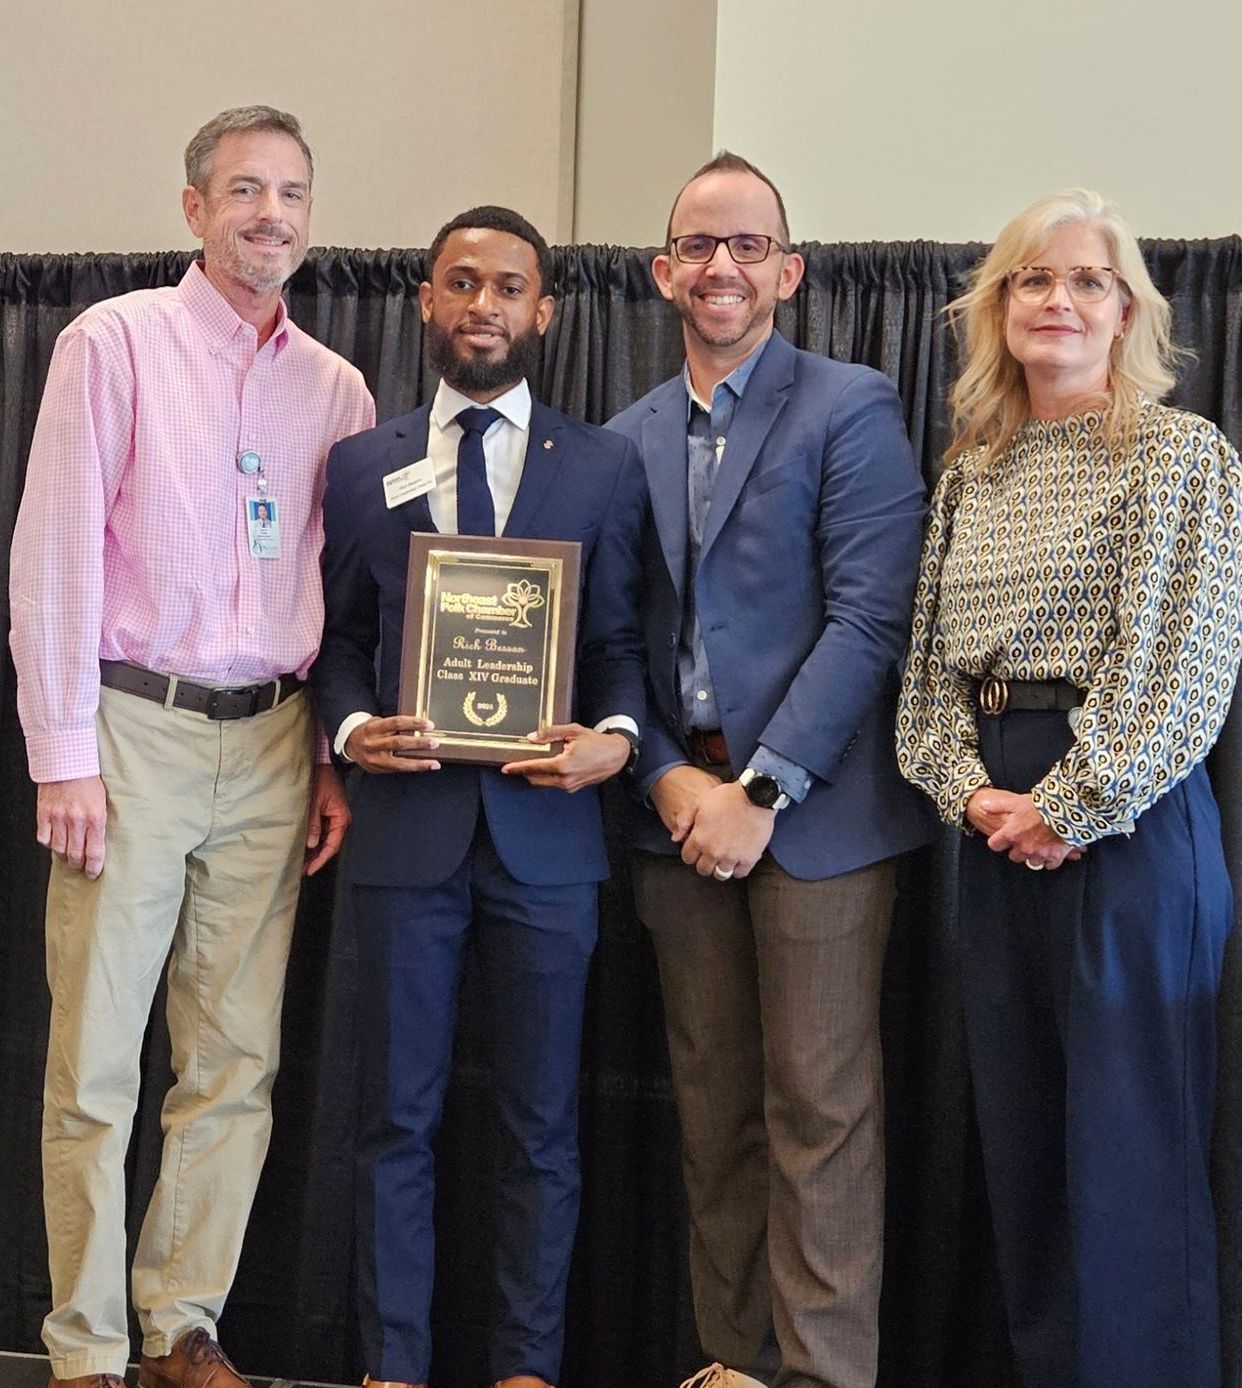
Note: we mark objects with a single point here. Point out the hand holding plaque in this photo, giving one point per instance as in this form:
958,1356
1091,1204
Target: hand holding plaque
586,758
488,646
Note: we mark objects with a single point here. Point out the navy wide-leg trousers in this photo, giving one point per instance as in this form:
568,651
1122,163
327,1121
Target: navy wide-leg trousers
534,945
1090,997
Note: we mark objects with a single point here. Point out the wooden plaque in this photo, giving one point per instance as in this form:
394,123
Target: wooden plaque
488,644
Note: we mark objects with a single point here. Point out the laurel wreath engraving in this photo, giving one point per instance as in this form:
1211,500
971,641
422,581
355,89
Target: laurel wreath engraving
502,707
525,596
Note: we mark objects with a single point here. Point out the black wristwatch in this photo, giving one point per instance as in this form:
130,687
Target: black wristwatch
764,791
633,740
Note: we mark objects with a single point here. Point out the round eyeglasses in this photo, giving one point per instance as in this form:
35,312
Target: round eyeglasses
1085,284
745,247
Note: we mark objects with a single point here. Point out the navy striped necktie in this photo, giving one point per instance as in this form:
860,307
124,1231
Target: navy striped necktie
476,511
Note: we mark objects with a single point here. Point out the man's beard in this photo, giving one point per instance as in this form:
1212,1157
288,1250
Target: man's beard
478,375
226,255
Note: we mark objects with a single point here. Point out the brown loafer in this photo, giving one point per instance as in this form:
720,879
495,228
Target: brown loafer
369,1382
523,1381
195,1362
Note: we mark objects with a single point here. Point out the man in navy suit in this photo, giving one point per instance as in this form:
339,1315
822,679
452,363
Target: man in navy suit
506,857
779,571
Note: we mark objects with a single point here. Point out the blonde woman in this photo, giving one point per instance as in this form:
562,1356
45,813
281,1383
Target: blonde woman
1076,640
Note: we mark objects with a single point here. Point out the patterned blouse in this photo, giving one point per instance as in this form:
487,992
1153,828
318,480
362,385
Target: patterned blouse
1120,572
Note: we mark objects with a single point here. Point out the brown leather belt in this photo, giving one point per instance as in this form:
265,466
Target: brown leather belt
709,745
996,696
232,701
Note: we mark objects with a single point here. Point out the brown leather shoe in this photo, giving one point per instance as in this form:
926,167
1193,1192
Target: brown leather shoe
88,1381
196,1361
523,1381
369,1382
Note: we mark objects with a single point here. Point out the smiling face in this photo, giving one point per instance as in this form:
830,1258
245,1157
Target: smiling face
1063,345
727,309
253,215
485,311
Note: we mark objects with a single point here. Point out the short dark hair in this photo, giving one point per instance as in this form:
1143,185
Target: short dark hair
240,120
490,218
728,162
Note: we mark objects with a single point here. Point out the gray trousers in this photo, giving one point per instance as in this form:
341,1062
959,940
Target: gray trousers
771,996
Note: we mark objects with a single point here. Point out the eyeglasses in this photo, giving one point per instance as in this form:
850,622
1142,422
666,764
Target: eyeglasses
1085,284
746,248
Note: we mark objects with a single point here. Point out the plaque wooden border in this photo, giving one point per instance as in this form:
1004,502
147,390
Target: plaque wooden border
560,560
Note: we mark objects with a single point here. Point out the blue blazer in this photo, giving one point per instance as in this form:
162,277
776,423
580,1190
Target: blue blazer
803,592
578,483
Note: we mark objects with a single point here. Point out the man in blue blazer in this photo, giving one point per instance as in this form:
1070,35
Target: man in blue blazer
779,571
445,853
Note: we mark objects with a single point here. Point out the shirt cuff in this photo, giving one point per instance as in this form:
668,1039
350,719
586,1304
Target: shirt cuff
793,779
355,720
623,724
66,756
1061,804
615,721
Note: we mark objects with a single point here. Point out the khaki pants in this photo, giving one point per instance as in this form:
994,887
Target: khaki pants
771,997
206,828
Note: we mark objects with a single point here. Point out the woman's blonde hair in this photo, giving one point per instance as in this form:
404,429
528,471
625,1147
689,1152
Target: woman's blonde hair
989,399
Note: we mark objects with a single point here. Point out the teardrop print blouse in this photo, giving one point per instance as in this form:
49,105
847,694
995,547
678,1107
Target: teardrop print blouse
1120,572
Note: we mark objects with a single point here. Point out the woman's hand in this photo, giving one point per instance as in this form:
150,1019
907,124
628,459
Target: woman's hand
1014,826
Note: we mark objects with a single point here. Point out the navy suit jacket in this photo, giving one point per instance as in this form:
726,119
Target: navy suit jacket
578,483
803,592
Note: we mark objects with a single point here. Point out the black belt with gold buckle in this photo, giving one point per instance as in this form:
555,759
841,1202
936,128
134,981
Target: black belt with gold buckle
997,696
219,702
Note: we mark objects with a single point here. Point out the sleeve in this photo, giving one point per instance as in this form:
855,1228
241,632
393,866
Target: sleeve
357,415
343,675
611,677
870,519
937,740
82,443
1163,685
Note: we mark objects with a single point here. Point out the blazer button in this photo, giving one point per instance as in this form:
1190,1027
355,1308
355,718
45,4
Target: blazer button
672,640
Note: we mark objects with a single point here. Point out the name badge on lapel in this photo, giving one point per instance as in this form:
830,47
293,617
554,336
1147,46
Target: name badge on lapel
408,482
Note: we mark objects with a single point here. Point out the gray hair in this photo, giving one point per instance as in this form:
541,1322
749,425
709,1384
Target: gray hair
239,120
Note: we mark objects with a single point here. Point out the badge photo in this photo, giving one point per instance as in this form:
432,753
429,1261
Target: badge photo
263,527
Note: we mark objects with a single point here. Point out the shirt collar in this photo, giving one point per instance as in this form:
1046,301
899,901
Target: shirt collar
215,316
735,380
514,405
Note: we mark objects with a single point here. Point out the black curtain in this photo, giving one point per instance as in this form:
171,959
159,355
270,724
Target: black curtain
630,1321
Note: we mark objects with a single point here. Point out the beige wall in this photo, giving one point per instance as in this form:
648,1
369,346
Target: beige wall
647,83
883,120
898,119
414,108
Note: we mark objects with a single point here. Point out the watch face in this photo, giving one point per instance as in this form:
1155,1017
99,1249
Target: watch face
763,791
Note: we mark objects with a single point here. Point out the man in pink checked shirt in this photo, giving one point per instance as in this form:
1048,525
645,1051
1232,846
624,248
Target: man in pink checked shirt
166,604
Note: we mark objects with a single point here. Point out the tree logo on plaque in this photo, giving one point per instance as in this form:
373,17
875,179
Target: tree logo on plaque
525,597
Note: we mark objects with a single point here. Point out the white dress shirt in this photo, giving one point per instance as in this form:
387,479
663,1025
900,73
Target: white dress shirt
504,451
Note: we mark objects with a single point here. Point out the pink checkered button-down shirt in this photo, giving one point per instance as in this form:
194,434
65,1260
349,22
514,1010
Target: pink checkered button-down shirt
131,542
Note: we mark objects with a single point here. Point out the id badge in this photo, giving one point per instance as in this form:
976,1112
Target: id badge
263,527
